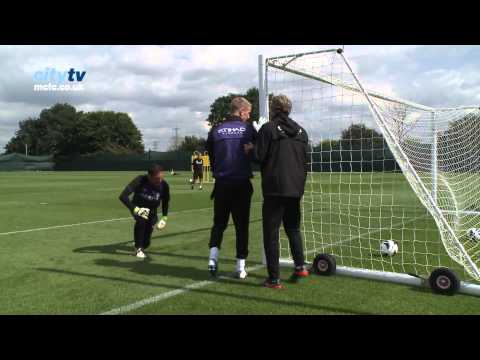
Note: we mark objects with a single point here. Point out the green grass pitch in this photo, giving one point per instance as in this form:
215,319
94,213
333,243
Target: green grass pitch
88,268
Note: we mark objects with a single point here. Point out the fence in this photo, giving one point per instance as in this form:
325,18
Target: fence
15,162
169,160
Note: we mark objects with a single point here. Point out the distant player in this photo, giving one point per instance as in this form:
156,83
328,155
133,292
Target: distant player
149,191
197,168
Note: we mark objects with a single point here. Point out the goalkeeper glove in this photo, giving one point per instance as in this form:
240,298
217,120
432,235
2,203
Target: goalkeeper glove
261,121
142,212
162,223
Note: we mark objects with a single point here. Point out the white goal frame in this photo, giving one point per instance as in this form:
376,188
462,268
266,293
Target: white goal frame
430,196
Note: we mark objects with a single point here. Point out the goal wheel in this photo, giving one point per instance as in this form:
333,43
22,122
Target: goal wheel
324,264
444,281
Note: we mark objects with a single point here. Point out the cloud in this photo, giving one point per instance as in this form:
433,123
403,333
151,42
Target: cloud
164,87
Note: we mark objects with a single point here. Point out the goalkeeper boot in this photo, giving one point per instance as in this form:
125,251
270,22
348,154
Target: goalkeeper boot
213,267
273,284
140,254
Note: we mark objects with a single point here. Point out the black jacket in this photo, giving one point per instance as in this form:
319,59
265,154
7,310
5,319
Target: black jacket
281,150
146,195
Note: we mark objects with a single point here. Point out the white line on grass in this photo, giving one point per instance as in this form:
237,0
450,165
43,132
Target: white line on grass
90,222
60,226
98,221
166,295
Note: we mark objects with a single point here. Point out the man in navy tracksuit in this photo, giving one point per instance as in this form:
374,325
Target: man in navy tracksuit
233,190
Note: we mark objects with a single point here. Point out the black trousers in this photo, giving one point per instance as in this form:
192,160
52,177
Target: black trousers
232,199
276,210
142,231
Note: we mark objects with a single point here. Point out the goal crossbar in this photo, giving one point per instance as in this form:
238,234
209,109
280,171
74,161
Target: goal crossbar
271,62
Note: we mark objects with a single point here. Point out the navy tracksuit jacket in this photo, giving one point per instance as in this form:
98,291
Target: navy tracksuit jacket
232,171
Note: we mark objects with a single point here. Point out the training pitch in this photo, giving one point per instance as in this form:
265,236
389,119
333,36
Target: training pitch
66,245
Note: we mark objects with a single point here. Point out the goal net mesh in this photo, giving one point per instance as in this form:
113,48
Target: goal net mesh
392,171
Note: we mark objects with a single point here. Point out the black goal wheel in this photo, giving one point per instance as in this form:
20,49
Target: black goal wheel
324,264
444,281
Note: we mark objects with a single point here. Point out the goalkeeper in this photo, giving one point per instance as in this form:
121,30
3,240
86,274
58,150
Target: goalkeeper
149,191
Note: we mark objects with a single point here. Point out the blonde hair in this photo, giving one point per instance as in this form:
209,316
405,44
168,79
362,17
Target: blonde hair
238,104
280,104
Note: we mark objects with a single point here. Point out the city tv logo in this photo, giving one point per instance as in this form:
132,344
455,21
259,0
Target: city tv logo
51,79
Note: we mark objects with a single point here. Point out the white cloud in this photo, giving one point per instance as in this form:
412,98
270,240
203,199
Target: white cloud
167,86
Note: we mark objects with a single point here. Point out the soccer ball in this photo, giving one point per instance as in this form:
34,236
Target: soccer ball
388,247
473,234
190,181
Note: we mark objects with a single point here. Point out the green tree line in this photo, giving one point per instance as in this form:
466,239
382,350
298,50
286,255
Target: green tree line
61,130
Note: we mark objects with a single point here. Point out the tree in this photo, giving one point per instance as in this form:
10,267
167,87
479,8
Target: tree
359,149
459,146
50,133
190,144
25,136
108,132
359,132
220,108
62,131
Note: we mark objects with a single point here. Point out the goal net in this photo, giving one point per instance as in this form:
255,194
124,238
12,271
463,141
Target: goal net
381,168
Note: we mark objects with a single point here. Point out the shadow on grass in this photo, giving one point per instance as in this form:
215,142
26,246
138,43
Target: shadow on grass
426,290
243,297
122,247
126,248
147,267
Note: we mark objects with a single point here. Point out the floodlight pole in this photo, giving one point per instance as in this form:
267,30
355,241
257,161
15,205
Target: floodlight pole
26,150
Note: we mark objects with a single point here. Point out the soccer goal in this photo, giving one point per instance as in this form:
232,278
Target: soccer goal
381,168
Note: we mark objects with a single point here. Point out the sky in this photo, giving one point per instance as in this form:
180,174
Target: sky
163,87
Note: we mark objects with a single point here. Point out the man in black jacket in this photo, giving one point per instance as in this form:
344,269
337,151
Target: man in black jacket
281,150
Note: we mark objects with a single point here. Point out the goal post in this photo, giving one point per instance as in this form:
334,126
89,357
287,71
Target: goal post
381,168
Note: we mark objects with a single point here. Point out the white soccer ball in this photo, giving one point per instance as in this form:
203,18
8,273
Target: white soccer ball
473,234
388,247
190,181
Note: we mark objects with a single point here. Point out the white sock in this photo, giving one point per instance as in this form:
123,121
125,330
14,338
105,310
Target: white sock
214,253
240,264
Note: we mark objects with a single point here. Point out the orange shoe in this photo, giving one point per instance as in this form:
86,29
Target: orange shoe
298,274
301,273
272,284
